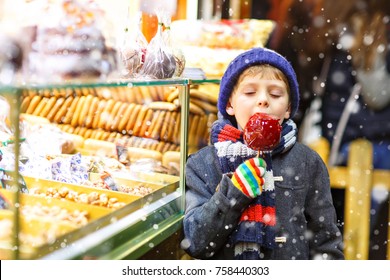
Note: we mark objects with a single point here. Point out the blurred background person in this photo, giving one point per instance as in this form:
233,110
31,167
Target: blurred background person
349,41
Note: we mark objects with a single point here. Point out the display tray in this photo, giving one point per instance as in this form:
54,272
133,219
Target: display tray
49,186
48,219
99,216
154,178
33,234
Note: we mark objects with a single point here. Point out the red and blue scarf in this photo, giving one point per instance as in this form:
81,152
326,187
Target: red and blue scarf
256,228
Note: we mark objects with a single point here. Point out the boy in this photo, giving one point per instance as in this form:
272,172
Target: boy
290,214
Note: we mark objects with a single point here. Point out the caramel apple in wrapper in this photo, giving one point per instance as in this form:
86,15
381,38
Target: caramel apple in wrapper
160,62
171,47
133,48
262,132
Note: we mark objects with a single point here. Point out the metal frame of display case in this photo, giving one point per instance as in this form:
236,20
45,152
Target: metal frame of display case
13,94
133,230
129,232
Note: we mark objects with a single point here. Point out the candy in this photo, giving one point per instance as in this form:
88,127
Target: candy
262,132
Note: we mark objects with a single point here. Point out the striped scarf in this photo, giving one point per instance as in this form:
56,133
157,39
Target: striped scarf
256,226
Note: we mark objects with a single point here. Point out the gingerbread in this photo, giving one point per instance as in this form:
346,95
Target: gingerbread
88,133
153,122
139,120
145,93
106,112
176,131
119,116
132,119
126,116
112,114
86,106
67,108
155,134
173,95
212,108
40,106
49,105
53,111
147,122
162,105
91,112
25,103
153,93
164,128
171,127
129,94
98,112
76,115
33,104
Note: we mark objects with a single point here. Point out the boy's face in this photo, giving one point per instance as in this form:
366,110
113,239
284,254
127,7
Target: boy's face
258,94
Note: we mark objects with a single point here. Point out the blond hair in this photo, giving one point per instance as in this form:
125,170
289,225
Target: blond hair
265,71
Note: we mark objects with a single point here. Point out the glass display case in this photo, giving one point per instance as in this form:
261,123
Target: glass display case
139,221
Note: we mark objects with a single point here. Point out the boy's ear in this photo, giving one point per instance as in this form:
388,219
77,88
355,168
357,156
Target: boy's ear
229,109
288,112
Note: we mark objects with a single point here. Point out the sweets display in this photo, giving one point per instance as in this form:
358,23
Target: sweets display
11,57
211,45
138,190
93,198
55,214
133,48
26,238
262,132
160,62
140,117
70,44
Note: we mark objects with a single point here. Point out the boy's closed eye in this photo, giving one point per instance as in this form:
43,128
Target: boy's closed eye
248,90
276,91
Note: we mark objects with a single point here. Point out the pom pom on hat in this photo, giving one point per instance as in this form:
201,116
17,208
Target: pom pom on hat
256,56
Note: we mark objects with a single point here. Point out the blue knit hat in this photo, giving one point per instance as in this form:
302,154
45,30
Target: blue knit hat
250,58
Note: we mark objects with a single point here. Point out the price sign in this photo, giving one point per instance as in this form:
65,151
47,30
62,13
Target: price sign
122,154
109,181
4,203
7,179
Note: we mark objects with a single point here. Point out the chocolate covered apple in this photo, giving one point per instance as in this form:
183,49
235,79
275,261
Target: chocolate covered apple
262,132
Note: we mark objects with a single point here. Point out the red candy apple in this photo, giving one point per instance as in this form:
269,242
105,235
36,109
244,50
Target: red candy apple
262,132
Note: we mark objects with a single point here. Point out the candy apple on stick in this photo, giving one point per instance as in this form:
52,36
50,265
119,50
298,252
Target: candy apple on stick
262,133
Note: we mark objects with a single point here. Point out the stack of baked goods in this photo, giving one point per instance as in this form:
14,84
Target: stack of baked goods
11,57
211,45
69,44
145,120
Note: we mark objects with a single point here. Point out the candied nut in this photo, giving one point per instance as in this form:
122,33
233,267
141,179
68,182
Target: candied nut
139,190
96,202
112,200
51,191
57,195
63,192
93,196
82,198
117,205
103,199
72,196
34,191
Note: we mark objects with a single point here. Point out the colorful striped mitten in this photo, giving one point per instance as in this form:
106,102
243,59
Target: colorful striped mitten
248,176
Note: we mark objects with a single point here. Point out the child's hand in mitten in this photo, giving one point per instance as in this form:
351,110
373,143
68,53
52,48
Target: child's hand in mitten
248,177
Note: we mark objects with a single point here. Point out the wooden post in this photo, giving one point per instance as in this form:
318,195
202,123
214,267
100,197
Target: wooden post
388,233
357,201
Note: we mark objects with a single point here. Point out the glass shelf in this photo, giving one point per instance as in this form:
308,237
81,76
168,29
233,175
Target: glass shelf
97,84
133,230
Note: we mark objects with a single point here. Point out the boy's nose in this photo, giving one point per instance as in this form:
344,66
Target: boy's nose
262,99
